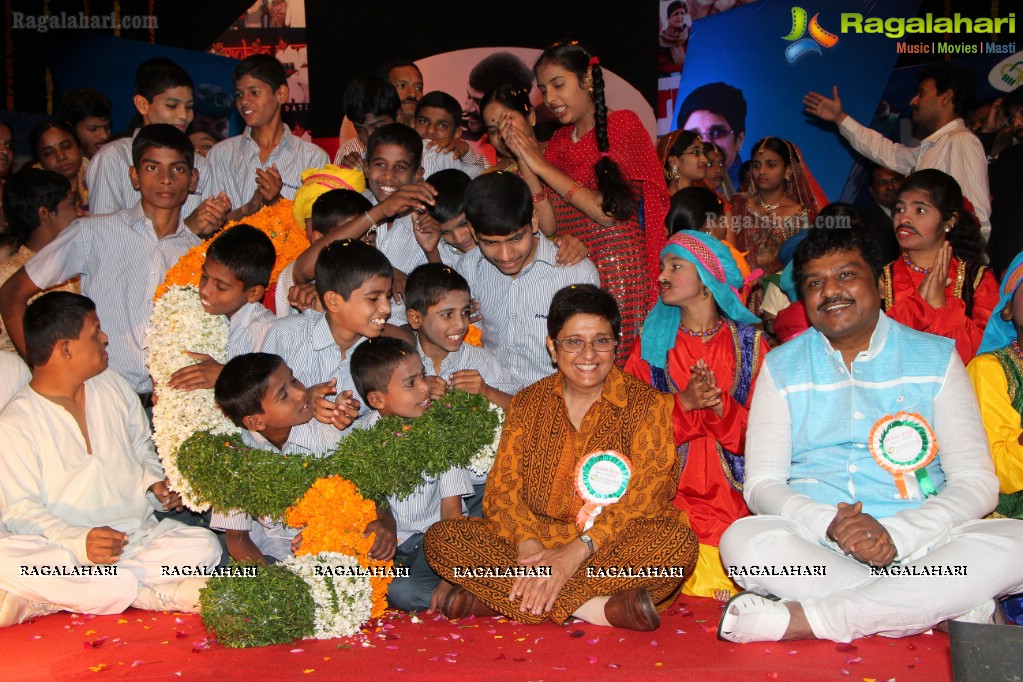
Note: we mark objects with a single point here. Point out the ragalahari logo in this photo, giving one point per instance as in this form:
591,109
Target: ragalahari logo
801,46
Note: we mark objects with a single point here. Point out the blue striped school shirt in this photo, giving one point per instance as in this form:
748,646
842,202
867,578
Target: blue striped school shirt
248,329
515,309
234,161
121,263
306,344
110,188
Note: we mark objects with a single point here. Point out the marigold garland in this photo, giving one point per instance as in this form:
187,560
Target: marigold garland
276,221
474,337
335,516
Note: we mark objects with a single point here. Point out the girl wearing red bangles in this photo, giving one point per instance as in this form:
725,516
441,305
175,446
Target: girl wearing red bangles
607,185
938,285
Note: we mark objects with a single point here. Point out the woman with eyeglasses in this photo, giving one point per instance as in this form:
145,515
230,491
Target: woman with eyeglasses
582,483
601,178
700,345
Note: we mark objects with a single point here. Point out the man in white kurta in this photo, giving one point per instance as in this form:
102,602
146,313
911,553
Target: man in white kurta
83,535
849,548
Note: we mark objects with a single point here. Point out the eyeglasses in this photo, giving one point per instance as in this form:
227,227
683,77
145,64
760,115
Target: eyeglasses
713,133
573,346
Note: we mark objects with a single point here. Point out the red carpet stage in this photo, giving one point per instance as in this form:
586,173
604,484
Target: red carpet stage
142,645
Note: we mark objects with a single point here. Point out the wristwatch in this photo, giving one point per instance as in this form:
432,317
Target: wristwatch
589,542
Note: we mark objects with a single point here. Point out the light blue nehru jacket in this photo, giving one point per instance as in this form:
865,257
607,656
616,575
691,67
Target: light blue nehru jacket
834,410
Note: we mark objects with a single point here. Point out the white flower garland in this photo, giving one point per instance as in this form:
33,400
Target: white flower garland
341,591
178,324
483,461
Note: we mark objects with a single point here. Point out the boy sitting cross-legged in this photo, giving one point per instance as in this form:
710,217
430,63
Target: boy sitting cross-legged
389,376
258,392
234,278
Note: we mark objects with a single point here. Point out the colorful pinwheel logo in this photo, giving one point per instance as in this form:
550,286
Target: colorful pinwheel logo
801,46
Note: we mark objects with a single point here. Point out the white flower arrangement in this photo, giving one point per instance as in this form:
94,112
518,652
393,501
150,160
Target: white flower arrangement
483,461
341,591
178,324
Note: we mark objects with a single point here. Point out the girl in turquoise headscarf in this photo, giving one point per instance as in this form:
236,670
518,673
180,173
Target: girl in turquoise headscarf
700,344
997,375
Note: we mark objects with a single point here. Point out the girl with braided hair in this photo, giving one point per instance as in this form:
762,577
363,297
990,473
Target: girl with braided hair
602,179
938,284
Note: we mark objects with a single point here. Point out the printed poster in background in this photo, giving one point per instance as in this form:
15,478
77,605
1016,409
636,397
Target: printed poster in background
675,24
276,28
755,64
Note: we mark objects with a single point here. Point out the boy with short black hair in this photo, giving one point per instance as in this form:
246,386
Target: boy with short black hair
163,94
266,161
513,274
331,209
438,304
234,279
438,118
122,257
439,309
259,393
353,282
390,377
371,103
87,111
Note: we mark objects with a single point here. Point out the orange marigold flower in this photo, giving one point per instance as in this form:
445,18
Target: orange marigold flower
335,516
474,337
277,221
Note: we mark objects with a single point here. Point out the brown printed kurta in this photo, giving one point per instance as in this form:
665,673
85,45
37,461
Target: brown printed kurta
531,494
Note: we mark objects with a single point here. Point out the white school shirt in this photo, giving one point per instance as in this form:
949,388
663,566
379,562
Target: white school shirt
308,347
514,309
233,163
468,356
121,262
53,487
247,329
14,374
110,188
421,509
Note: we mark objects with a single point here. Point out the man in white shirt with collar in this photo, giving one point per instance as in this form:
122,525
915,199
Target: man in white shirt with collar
942,98
75,470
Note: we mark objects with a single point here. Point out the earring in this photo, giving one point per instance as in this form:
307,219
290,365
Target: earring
671,174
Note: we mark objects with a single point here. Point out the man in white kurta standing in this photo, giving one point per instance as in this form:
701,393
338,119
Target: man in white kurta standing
76,465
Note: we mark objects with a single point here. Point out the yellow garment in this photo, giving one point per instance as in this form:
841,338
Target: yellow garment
709,576
317,181
1001,421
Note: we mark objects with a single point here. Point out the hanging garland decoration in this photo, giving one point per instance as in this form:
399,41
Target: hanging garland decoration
332,587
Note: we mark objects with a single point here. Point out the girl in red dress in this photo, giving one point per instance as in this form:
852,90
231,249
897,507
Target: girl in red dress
938,284
608,188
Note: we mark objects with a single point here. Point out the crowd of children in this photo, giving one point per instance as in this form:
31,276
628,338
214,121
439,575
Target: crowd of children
413,242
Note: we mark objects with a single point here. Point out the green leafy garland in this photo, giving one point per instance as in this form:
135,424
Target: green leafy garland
273,607
388,460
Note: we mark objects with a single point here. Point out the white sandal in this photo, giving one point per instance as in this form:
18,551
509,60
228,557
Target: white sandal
749,617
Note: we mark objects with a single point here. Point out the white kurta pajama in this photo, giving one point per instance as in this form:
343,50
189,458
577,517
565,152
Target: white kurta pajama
54,492
806,451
